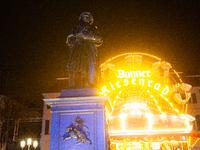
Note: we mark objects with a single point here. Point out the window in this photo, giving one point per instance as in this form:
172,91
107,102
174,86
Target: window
190,100
194,98
46,127
48,107
198,122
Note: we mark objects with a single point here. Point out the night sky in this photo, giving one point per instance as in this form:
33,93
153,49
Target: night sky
33,52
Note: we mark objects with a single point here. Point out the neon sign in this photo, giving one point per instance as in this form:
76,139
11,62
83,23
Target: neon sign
135,78
133,74
145,94
152,78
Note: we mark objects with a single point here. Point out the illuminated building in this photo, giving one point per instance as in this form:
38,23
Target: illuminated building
150,103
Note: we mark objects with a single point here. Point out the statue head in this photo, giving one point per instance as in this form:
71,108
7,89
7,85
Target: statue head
69,129
86,17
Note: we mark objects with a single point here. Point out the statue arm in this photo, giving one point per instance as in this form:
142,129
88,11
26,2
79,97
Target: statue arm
84,127
71,40
97,38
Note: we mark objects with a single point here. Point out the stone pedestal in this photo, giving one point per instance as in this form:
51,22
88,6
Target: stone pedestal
83,103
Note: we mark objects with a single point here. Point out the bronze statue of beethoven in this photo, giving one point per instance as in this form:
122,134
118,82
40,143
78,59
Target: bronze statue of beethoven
83,41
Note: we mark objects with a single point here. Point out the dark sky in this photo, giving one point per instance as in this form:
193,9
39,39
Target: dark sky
34,32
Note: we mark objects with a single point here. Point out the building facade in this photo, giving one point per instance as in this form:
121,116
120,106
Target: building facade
46,122
194,110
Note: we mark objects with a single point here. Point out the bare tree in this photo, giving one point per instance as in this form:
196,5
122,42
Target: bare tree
11,112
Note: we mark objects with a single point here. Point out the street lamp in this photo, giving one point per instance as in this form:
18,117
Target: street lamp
29,141
35,144
22,144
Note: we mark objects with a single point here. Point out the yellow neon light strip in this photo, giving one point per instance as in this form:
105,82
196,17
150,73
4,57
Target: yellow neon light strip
130,132
156,103
186,109
195,142
123,117
149,123
114,58
189,143
129,54
177,75
176,110
138,53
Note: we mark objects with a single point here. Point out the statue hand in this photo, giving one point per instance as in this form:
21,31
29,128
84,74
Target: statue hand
80,36
71,41
71,47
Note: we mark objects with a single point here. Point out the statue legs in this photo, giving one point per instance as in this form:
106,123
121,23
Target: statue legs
90,74
84,79
76,79
72,78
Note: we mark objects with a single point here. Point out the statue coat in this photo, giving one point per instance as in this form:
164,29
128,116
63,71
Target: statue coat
83,41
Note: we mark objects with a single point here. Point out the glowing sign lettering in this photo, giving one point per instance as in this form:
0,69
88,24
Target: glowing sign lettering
112,86
149,83
141,81
133,74
134,78
126,82
105,91
137,81
117,83
157,86
133,81
165,90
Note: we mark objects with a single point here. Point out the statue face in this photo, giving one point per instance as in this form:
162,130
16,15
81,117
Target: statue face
85,18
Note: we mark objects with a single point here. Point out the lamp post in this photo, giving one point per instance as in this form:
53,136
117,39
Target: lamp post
29,141
22,144
35,144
